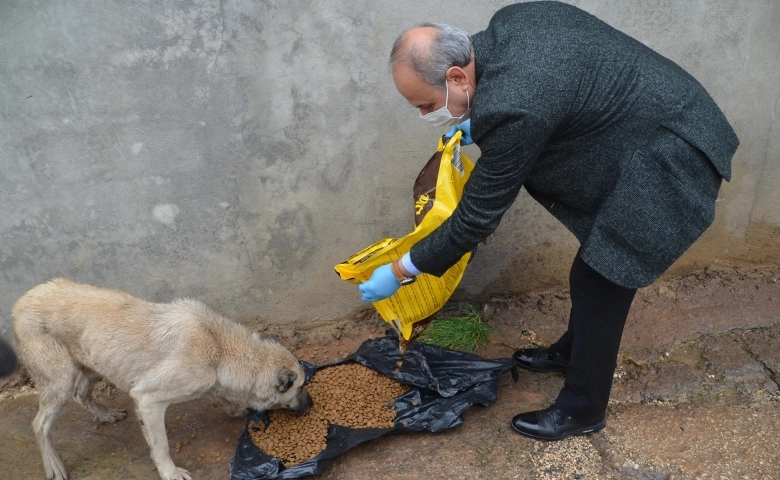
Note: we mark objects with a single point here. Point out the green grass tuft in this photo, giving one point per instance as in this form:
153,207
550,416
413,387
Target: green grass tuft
458,333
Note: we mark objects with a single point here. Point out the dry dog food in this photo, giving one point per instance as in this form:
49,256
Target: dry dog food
417,330
350,395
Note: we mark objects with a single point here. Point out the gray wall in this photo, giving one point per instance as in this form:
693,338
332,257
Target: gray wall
236,151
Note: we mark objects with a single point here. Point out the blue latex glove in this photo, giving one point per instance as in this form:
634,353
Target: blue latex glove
464,127
381,285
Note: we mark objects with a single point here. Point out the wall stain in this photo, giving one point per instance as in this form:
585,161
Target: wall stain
292,240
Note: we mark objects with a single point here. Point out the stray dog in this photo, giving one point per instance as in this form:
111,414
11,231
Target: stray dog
69,335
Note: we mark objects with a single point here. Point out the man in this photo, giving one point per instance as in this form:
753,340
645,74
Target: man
620,144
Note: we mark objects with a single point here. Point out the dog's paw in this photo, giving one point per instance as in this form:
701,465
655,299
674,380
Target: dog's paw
179,474
55,470
111,415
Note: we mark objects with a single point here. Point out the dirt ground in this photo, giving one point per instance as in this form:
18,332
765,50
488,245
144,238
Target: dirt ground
695,397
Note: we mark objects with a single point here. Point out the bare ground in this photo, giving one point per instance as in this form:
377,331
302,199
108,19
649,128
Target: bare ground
695,396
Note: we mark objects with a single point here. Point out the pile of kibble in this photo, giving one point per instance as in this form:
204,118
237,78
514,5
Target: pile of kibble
350,395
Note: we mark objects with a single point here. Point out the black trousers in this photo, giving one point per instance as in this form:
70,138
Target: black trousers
599,309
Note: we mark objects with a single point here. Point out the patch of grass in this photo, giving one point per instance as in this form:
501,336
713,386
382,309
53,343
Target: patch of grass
458,333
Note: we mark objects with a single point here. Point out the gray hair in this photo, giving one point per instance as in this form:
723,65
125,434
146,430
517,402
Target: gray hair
450,47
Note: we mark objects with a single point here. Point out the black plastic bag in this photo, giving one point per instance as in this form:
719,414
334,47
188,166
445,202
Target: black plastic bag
444,384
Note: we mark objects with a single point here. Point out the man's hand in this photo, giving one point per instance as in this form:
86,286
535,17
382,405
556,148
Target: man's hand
381,285
464,127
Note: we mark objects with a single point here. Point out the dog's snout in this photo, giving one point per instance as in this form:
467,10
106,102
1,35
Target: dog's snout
304,402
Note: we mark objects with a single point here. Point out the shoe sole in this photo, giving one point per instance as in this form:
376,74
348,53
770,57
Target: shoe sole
541,370
580,431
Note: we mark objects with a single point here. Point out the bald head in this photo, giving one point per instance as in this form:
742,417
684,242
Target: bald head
430,49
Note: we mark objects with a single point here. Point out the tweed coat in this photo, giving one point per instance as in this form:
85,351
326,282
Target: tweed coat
617,142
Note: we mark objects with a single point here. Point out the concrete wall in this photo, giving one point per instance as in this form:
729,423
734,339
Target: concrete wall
235,151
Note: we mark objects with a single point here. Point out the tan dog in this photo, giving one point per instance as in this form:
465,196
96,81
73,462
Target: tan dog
69,335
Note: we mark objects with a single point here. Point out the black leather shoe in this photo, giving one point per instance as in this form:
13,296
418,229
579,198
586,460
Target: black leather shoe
540,360
552,424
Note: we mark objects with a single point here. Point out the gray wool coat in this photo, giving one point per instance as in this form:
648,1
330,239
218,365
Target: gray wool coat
617,142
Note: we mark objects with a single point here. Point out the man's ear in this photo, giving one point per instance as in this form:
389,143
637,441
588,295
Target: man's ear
458,76
285,380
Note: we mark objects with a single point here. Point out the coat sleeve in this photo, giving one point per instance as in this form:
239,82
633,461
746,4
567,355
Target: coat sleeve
509,152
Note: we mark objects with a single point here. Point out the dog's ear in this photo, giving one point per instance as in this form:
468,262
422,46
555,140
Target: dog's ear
285,380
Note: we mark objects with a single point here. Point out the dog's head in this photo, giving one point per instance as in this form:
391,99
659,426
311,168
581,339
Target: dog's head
293,395
281,383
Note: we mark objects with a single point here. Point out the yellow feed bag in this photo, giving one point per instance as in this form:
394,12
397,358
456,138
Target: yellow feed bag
434,203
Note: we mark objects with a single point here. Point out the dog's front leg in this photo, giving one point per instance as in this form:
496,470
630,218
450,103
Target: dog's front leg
151,413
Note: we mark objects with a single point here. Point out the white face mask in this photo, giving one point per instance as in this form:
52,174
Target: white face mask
443,118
